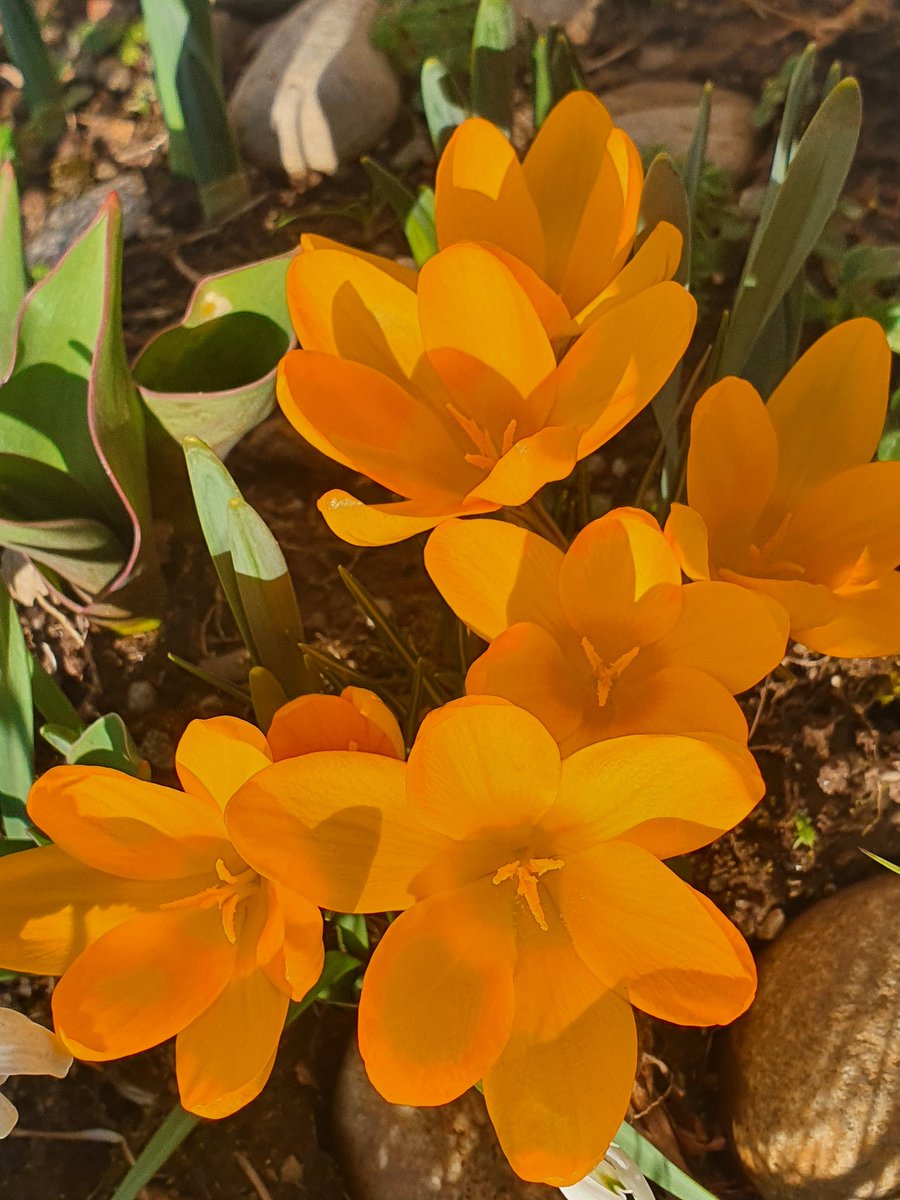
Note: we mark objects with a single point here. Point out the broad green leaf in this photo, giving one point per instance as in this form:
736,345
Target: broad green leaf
13,280
443,108
654,1164
16,722
493,62
775,350
51,701
105,743
791,227
72,433
212,375
870,264
352,933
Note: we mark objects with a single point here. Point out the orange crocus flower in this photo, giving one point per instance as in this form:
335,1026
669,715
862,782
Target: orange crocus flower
785,500
604,640
568,213
451,395
534,910
155,922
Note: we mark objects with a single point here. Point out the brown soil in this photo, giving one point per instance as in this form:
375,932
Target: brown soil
826,735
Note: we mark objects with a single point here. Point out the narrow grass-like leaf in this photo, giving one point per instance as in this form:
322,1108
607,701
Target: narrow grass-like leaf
882,862
796,103
207,677
267,695
43,95
443,108
795,220
654,1164
415,213
696,153
493,62
16,722
157,1152
13,279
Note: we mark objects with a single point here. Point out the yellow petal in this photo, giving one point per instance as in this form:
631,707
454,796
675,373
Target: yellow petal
409,276
142,982
493,574
383,524
547,455
667,793
551,311
125,826
655,262
672,699
806,604
337,823
627,161
481,194
473,768
318,722
437,999
828,413
689,538
214,757
647,934
866,621
560,1089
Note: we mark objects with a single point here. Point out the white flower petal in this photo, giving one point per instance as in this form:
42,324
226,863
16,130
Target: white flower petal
29,1049
8,1117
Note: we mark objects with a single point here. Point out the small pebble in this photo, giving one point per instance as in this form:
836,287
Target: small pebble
141,697
159,751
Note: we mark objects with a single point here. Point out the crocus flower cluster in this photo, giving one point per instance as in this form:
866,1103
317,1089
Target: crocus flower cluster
519,850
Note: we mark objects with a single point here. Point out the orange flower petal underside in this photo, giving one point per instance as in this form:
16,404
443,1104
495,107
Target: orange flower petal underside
493,574
688,536
383,524
310,242
669,794
481,194
54,907
807,604
828,412
336,824
318,722
302,948
214,757
656,261
142,982
627,161
437,999
644,933
126,826
374,709
866,622
560,1089
477,767
526,666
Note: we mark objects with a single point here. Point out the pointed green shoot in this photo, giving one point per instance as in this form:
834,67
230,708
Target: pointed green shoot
16,722
444,110
493,62
13,278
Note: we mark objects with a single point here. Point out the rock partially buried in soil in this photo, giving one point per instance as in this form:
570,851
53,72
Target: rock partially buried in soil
391,1152
255,10
814,1066
68,221
663,114
316,93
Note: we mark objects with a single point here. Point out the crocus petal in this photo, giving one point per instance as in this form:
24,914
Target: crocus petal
668,794
493,574
464,293
125,826
310,242
718,615
142,982
574,184
224,1057
300,929
346,306
732,464
551,311
377,713
528,667
27,1048
627,160
9,1115
807,604
481,194
214,757
53,907
437,998
689,538
614,369
828,412
866,623
383,524
475,768
672,699
620,583
393,438
339,824
560,1089
644,932
655,262
547,455
845,523
319,722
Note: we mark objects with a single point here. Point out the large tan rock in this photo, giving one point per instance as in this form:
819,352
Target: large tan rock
316,93
814,1066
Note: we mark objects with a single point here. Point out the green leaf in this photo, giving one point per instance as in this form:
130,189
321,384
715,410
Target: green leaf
870,264
267,695
444,110
51,701
73,476
554,71
797,101
775,350
212,375
696,154
13,280
157,1152
882,862
105,743
416,213
16,722
22,36
654,1164
795,219
352,933
337,982
493,62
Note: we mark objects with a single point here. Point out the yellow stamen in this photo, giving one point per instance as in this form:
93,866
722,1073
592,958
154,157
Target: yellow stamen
527,882
487,454
607,673
228,895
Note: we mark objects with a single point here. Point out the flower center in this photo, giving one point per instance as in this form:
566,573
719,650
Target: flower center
606,673
487,453
763,558
527,875
227,894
